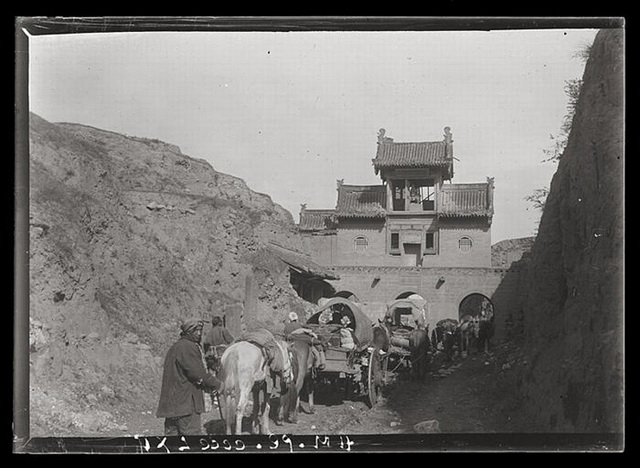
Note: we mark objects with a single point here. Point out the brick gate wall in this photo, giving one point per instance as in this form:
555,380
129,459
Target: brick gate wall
375,286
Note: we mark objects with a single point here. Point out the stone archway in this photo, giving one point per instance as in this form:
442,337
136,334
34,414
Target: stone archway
473,304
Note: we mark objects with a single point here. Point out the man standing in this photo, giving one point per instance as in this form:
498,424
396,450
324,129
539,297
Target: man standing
183,380
217,336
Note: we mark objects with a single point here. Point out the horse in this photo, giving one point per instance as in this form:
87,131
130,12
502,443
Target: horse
445,333
212,357
485,331
244,372
468,332
304,380
420,347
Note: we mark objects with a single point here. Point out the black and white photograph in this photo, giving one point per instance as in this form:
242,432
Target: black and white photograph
319,234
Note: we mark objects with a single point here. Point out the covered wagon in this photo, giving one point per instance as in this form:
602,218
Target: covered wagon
409,348
353,359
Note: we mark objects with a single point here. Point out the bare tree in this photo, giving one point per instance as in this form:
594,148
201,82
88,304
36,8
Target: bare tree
554,153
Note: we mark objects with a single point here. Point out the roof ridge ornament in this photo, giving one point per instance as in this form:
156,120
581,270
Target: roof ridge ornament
448,136
448,146
382,138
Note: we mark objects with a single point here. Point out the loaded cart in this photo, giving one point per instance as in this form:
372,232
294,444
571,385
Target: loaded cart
409,347
353,360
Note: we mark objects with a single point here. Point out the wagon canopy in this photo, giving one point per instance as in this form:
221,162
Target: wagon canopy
417,306
362,325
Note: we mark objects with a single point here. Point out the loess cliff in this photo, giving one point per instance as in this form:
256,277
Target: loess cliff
574,313
128,236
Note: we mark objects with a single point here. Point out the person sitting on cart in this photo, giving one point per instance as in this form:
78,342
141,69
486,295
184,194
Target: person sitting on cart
347,338
295,330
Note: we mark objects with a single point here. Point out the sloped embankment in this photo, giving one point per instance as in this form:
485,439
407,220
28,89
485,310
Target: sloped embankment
128,235
574,313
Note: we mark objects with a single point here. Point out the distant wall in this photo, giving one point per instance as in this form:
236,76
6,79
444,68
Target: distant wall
375,286
373,231
321,248
339,249
451,231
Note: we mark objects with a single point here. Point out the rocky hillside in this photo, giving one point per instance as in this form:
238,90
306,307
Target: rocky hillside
574,313
127,236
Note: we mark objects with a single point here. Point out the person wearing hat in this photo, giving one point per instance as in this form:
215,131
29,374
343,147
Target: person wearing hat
293,327
292,324
218,335
183,380
216,341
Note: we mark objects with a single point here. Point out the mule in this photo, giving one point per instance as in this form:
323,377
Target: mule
485,332
468,332
445,334
304,381
244,372
420,348
382,335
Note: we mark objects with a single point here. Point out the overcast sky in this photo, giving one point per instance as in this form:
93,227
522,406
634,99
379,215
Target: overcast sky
292,112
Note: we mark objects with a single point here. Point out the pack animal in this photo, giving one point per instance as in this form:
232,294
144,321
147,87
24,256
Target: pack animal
304,381
444,336
468,332
420,348
485,331
245,373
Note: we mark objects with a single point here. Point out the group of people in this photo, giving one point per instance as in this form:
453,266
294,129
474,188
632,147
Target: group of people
191,365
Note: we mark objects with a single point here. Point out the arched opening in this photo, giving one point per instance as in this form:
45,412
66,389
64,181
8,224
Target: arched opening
347,295
478,309
404,315
474,305
405,295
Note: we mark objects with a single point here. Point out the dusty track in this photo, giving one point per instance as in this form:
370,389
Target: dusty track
470,395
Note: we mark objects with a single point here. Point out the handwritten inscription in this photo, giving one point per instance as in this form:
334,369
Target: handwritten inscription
274,442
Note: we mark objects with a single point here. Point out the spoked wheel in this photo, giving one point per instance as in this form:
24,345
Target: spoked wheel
375,377
385,369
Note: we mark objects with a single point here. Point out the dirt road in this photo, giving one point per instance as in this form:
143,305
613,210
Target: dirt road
468,395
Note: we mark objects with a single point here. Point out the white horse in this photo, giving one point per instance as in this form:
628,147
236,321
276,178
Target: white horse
244,371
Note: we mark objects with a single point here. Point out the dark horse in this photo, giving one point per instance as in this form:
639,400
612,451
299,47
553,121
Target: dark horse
445,333
485,331
303,381
419,345
420,348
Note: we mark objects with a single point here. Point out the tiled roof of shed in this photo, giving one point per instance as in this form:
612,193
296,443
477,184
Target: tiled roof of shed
316,220
361,201
412,154
465,200
301,262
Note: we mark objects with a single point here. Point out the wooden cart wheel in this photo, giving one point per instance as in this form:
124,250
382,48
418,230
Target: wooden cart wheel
385,369
375,378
